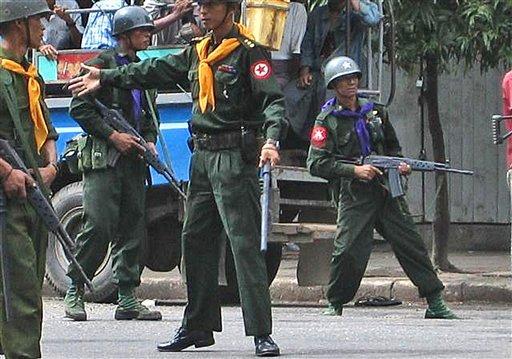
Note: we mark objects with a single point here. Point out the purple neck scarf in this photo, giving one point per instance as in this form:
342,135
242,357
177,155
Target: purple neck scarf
360,125
136,95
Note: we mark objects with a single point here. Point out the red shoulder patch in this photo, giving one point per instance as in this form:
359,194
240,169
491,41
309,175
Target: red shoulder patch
319,136
261,70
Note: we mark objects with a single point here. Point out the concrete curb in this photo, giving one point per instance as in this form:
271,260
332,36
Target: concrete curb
470,288
459,288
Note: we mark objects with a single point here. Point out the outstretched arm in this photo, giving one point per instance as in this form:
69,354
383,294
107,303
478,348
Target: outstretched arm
155,73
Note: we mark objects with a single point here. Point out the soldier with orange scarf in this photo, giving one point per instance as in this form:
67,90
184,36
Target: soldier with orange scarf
236,100
24,122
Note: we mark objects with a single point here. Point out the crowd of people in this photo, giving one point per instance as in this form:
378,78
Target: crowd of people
314,33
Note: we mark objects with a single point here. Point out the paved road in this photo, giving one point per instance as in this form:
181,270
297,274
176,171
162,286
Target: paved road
397,332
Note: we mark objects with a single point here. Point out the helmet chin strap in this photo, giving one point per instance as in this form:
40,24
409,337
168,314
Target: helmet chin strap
223,20
27,30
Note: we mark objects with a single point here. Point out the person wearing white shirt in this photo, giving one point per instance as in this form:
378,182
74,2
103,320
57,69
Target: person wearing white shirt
285,61
62,30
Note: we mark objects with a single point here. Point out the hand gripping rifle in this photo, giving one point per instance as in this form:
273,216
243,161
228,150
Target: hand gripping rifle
497,138
117,121
391,164
265,199
44,210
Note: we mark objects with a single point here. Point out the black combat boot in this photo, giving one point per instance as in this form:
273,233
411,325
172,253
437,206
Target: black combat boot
266,347
185,338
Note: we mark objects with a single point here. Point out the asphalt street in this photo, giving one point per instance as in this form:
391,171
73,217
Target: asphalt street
393,332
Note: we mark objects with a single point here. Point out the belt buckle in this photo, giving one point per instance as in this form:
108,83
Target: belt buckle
202,139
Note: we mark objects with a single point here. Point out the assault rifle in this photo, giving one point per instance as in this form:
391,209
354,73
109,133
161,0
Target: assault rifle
117,121
265,199
391,164
44,210
497,138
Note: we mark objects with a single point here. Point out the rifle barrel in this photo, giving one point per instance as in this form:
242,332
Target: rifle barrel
455,170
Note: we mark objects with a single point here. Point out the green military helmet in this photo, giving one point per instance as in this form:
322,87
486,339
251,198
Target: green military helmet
338,67
130,18
18,9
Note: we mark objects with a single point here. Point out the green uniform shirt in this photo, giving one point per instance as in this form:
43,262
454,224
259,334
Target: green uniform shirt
89,118
336,136
16,84
245,90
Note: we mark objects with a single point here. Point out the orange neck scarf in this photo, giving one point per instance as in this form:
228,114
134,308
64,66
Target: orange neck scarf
34,96
206,78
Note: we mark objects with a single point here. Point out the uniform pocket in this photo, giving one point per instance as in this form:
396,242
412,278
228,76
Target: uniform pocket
84,154
226,85
71,154
99,154
346,142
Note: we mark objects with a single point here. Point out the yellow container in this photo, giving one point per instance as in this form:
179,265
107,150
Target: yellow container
266,20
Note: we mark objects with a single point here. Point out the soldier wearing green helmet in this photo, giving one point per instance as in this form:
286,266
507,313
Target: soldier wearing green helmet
350,126
236,99
114,194
25,123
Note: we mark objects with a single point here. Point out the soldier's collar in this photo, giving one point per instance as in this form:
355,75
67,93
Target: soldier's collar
361,101
232,33
122,54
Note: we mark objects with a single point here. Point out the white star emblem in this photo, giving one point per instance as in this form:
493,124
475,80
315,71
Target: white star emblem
318,135
346,65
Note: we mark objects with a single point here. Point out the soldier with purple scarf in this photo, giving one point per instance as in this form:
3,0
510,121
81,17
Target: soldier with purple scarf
114,193
350,126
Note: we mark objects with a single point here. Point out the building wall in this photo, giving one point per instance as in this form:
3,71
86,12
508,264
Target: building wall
466,103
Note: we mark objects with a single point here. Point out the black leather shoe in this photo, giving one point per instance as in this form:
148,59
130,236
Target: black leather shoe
185,338
265,346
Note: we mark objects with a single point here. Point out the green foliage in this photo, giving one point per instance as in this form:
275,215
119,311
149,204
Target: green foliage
474,32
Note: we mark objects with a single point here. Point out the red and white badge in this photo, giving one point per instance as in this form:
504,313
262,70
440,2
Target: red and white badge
318,136
261,70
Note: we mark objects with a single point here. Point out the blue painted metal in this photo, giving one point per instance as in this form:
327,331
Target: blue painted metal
173,117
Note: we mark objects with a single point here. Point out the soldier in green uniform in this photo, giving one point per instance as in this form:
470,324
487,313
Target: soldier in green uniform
350,126
24,122
236,98
114,193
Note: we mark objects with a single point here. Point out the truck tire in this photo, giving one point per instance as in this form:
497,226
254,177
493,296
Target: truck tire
229,293
68,205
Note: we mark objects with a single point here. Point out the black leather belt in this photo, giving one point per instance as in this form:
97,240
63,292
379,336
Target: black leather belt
217,141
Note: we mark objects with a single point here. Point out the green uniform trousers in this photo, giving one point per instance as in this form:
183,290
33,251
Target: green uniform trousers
114,213
224,193
361,209
25,245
